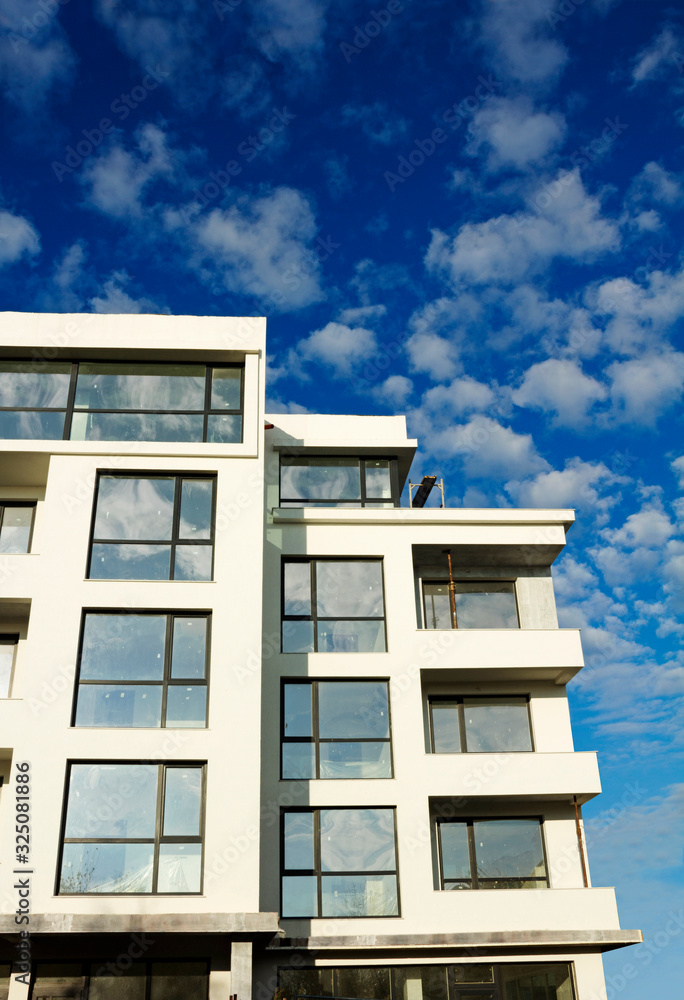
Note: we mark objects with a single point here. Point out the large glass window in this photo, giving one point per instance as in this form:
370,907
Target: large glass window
133,828
480,725
143,670
339,863
491,854
153,528
471,981
333,606
336,729
16,525
337,481
112,401
485,604
8,647
107,980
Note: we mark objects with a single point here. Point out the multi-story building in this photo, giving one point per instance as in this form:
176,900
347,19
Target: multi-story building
264,731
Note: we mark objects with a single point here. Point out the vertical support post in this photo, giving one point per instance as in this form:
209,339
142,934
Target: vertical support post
580,843
241,969
452,594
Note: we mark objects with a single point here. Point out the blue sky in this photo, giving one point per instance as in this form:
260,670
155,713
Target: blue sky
467,212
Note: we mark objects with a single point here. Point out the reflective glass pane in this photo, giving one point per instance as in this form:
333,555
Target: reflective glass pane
27,383
509,847
297,709
112,800
224,428
299,760
140,387
6,663
351,637
548,982
59,974
320,478
355,760
299,840
193,562
445,727
31,426
454,845
297,588
225,388
349,589
368,984
422,983
122,984
182,802
359,896
130,562
486,605
502,724
306,982
103,426
123,647
179,981
352,709
16,529
195,513
378,481
300,896
357,840
180,868
134,706
186,707
134,508
298,637
188,659
107,868
436,605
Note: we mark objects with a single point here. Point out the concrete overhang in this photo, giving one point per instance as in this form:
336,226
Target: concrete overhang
244,924
466,945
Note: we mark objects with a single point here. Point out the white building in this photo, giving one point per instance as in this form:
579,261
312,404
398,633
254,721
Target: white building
246,779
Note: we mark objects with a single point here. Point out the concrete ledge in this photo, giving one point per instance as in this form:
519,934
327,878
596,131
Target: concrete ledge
146,923
472,944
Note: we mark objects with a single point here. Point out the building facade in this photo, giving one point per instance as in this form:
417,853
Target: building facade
264,730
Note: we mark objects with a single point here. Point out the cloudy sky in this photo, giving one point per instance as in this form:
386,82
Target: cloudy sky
469,212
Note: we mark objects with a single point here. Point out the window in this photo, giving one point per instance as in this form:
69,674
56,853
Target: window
8,647
480,725
16,526
106,980
333,606
88,401
471,981
491,854
153,528
133,828
314,481
485,604
336,729
143,670
339,863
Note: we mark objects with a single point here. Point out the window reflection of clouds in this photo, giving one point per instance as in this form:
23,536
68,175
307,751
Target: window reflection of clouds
357,840
123,647
134,508
112,800
349,589
140,387
297,588
29,388
321,479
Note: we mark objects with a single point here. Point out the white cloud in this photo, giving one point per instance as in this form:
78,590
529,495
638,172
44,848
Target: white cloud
360,313
114,298
639,315
289,27
514,134
35,57
646,835
649,527
520,40
573,581
579,484
117,178
505,249
376,121
643,389
18,238
657,184
461,396
63,292
656,56
560,386
338,347
648,222
486,448
678,468
394,391
430,353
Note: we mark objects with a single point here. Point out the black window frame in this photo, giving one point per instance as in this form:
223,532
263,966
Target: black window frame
316,740
317,870
175,540
459,700
4,505
475,879
81,984
70,408
363,502
314,617
444,582
166,681
158,839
